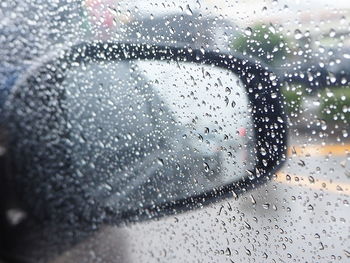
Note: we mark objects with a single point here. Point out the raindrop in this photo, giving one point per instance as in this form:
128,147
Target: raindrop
264,162
251,175
332,78
160,161
188,10
311,179
247,226
234,194
206,167
272,29
248,31
316,103
252,199
266,206
301,163
200,138
257,172
272,76
321,246
310,208
297,34
332,33
343,164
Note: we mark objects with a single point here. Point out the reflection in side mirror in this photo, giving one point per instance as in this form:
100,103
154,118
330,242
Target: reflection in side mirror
149,132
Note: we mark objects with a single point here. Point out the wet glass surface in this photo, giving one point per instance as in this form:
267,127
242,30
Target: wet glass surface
301,214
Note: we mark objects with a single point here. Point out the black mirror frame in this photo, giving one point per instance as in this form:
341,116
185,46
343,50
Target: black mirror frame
263,89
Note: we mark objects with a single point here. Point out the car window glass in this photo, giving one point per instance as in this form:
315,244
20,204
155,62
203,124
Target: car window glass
300,215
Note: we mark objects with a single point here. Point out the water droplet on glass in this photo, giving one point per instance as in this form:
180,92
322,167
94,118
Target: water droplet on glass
251,174
248,31
272,76
247,226
160,161
332,33
252,199
332,78
321,246
188,10
206,167
266,206
297,34
272,29
234,194
310,208
301,163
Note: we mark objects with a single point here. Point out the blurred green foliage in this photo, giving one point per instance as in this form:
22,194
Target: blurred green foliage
262,42
293,97
335,105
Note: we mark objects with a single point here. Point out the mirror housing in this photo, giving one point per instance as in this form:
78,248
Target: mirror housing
62,199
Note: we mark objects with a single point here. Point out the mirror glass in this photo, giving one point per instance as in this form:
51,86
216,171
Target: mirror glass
148,132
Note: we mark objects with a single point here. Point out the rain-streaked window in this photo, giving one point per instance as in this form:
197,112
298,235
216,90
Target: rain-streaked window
174,131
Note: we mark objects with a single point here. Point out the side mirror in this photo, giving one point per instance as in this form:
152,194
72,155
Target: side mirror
107,133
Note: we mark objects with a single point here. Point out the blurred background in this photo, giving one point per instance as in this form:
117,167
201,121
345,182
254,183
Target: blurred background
307,43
